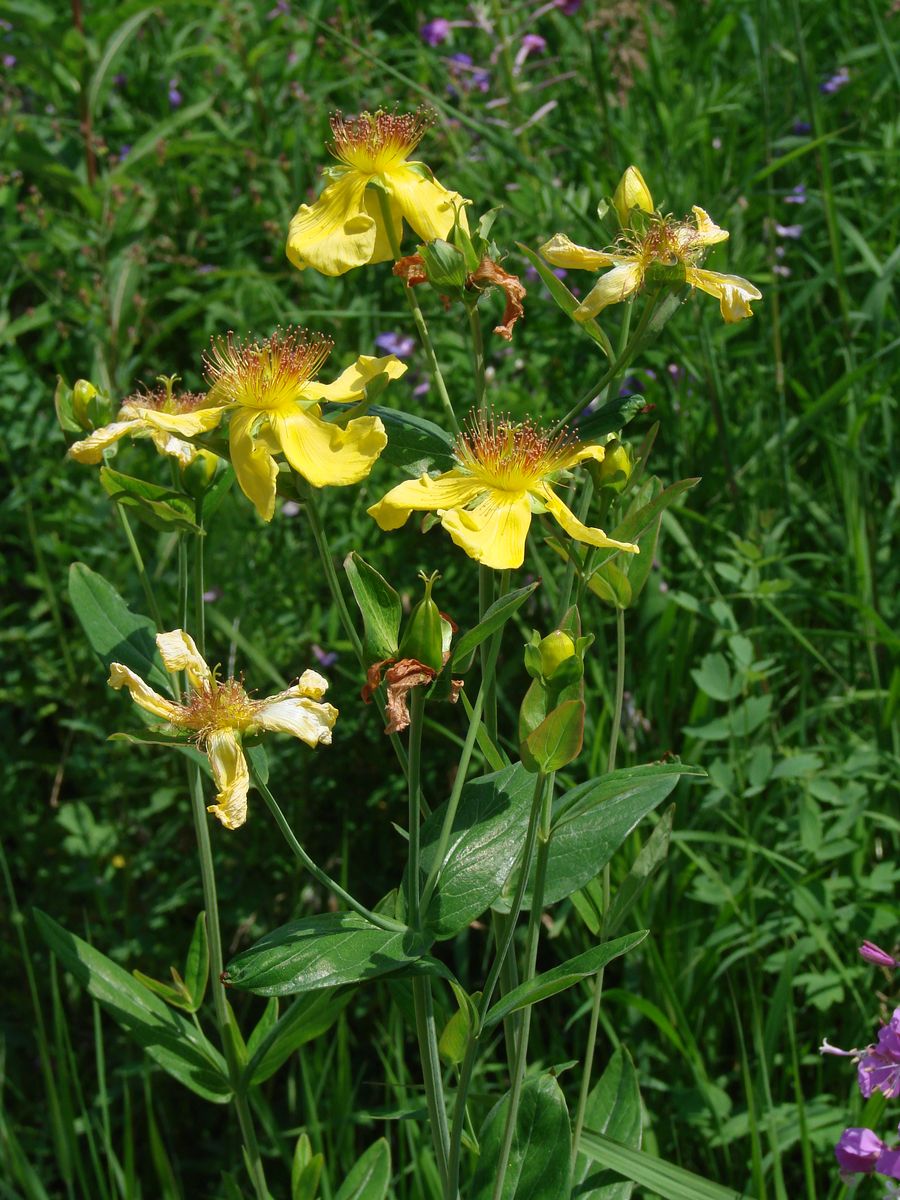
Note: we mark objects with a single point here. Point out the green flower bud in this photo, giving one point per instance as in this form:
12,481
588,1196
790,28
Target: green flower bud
423,638
631,193
615,469
82,394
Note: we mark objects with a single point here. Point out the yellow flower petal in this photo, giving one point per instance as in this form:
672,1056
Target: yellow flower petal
229,768
167,443
179,653
423,202
733,293
562,252
453,489
616,285
336,233
494,532
582,453
199,420
632,192
574,528
708,232
90,449
310,684
327,454
253,464
351,384
299,716
143,695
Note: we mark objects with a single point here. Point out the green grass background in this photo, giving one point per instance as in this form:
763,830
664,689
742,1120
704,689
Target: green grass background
136,229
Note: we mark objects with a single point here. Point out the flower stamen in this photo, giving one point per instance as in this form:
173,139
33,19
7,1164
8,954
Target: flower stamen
510,455
372,142
268,374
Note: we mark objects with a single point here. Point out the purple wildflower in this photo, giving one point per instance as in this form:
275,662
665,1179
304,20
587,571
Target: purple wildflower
5,25
836,82
874,954
532,43
325,658
211,596
879,1066
782,270
435,32
401,344
422,386
858,1151
120,80
9,61
174,94
789,231
568,7
290,508
124,151
796,195
464,72
206,268
676,373
281,9
801,128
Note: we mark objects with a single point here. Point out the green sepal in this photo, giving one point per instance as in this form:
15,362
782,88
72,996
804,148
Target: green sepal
160,507
556,741
445,266
423,637
379,605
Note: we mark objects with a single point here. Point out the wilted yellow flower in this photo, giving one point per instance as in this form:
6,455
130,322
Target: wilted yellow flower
663,248
632,192
160,415
344,228
277,398
504,475
218,713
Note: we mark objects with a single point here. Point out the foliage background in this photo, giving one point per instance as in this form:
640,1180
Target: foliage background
151,159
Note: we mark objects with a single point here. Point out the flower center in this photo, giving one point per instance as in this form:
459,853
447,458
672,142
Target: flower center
218,706
164,399
375,142
264,375
511,455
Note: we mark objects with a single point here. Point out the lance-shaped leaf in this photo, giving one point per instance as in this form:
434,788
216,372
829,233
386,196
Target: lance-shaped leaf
654,1174
380,607
415,445
308,1017
539,1162
557,740
170,1039
591,822
610,417
115,633
566,301
494,618
369,1176
162,508
486,837
613,1108
325,951
562,977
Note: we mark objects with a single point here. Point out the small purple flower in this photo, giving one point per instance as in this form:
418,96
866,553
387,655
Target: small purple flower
532,43
435,32
120,80
281,9
290,508
9,61
789,231
630,385
206,268
464,72
568,7
174,94
782,270
797,195
401,344
801,128
124,151
858,1151
840,79
879,1066
6,26
874,954
422,386
325,658
676,373
211,596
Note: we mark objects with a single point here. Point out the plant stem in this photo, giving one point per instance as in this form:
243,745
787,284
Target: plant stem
541,785
199,586
478,359
381,922
531,949
417,315
416,714
216,965
149,594
318,530
598,982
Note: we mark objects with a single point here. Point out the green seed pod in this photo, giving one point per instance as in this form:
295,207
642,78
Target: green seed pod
423,637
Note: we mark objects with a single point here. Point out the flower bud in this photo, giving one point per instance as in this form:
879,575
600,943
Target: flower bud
82,394
554,649
631,193
199,473
615,469
423,638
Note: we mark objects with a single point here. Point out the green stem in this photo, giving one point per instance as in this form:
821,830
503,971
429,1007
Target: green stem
487,995
381,922
598,982
416,714
417,315
223,1017
199,586
141,569
318,530
488,678
531,949
478,359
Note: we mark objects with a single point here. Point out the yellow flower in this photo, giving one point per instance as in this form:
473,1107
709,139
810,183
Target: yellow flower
504,475
218,713
345,227
159,415
664,249
277,399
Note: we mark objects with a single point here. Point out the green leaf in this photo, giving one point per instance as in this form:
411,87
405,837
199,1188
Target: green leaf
170,1039
590,823
557,740
415,445
115,633
612,585
610,417
307,1018
217,491
370,1175
196,969
171,995
651,857
486,838
613,1108
654,1174
562,977
713,677
325,951
634,524
306,1170
539,1163
380,606
494,618
111,51
739,723
162,508
566,301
